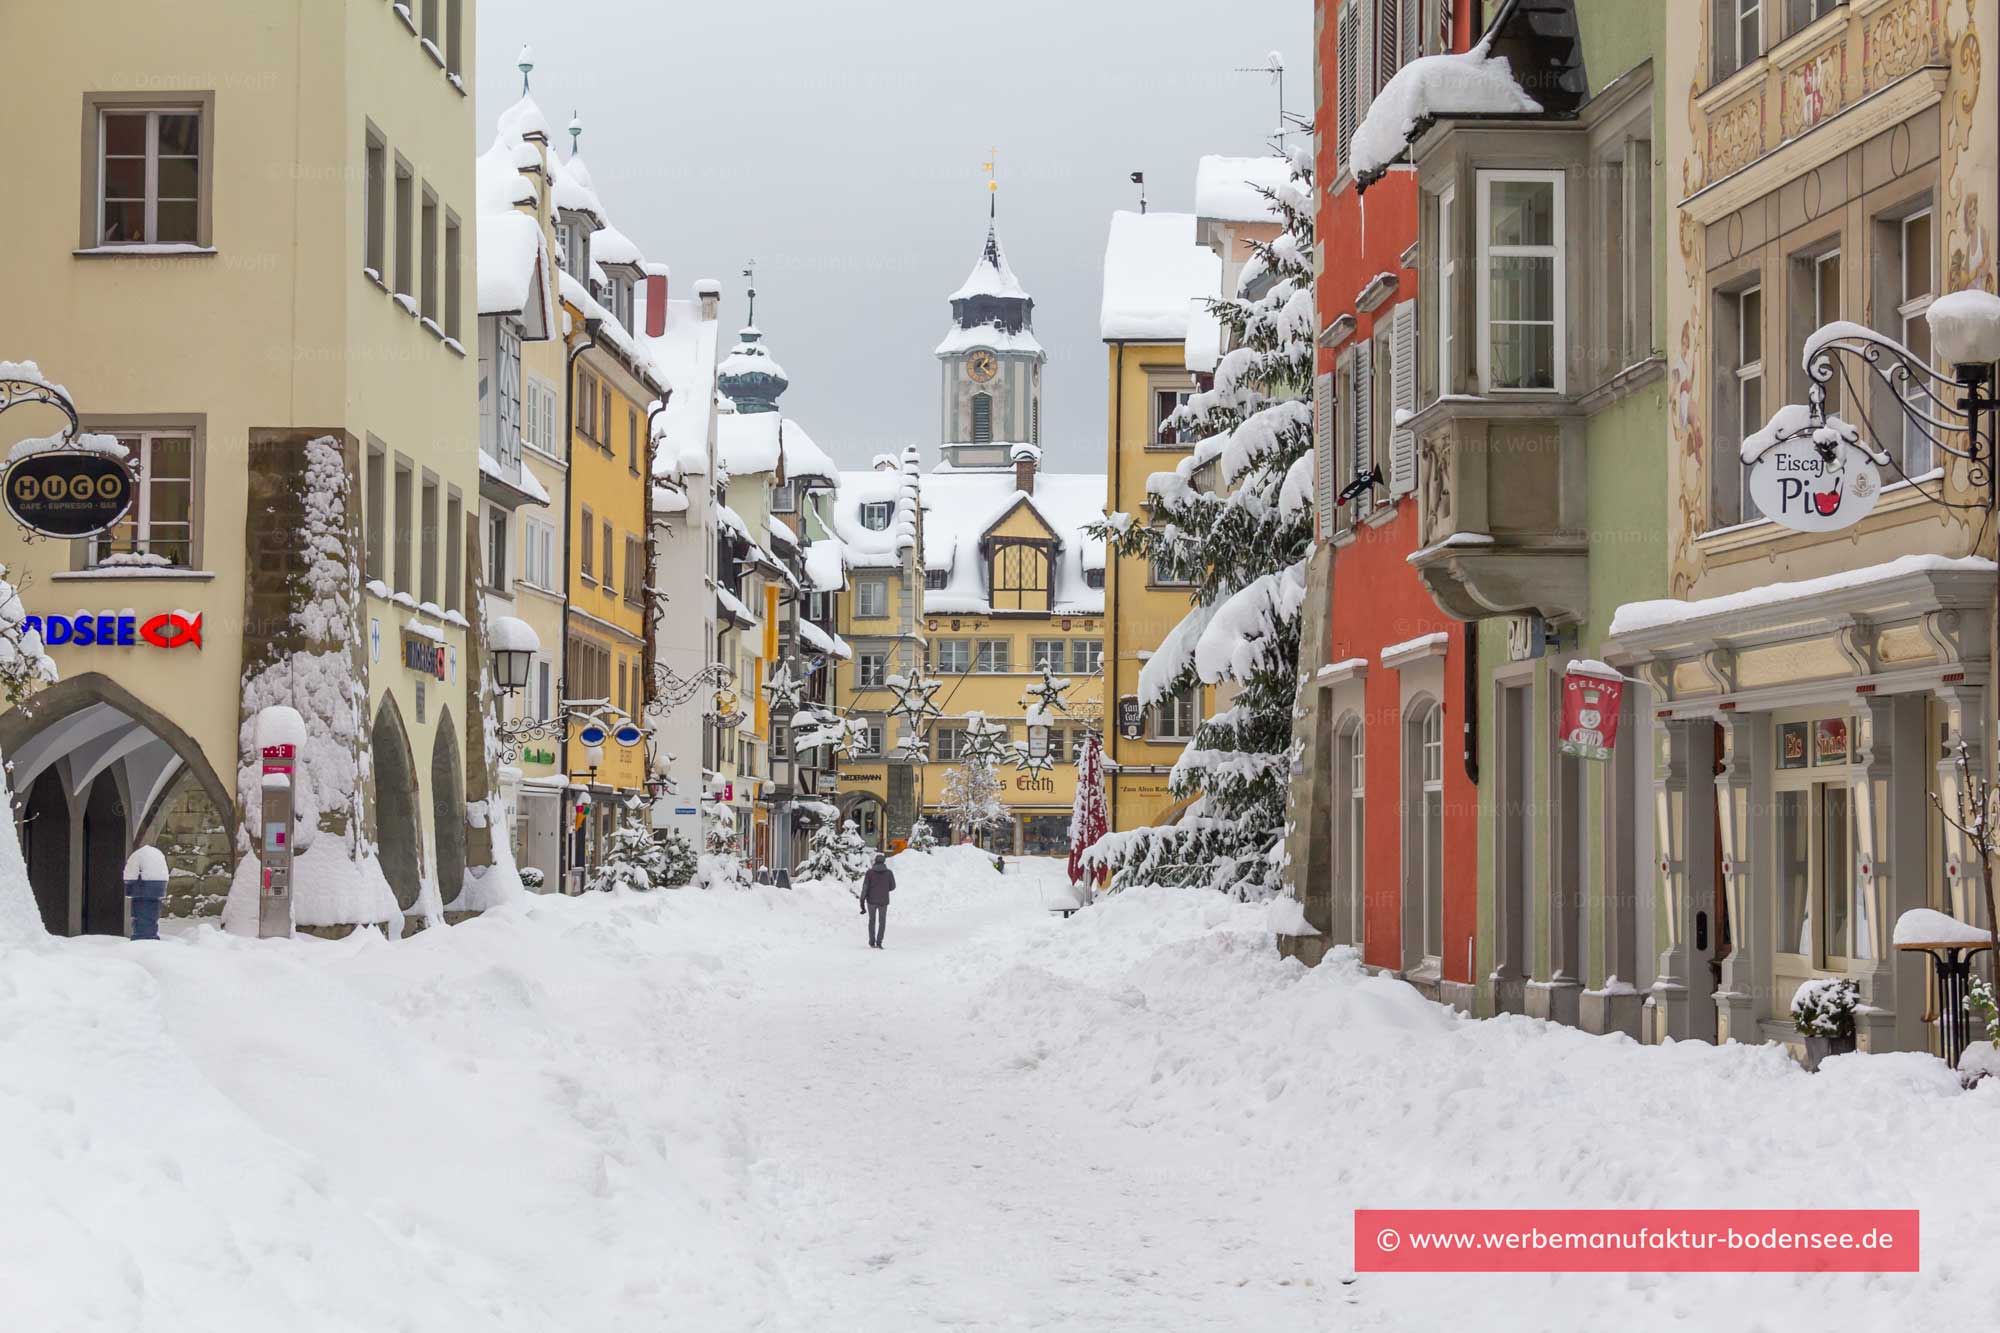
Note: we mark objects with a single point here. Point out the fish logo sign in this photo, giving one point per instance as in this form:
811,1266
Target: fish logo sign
171,629
106,629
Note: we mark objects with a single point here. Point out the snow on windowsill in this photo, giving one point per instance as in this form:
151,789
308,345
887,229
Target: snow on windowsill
158,573
403,13
152,251
407,301
1398,655
431,50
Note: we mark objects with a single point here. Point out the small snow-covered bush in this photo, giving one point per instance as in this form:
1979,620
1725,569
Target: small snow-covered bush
1824,1007
923,838
678,860
632,860
1979,1004
531,877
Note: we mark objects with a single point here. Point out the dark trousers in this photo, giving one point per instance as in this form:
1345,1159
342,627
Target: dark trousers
878,922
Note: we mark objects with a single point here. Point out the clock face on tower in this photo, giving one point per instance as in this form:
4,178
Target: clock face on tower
982,365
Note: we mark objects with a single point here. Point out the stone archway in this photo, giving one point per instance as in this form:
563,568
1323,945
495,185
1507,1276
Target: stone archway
447,809
392,799
91,768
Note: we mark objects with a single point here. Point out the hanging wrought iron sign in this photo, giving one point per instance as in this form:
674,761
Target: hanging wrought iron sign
1811,476
67,488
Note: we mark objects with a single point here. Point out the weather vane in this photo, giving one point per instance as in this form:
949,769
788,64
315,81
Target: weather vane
750,272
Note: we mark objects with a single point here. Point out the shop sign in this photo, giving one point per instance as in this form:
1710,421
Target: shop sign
1034,782
1590,715
424,655
109,629
538,756
1830,740
1131,717
1796,486
69,492
1793,740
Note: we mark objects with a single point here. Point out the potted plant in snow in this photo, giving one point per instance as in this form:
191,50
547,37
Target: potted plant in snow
1981,1059
1823,1012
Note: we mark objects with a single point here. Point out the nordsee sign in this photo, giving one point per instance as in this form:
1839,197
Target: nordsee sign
109,629
1811,478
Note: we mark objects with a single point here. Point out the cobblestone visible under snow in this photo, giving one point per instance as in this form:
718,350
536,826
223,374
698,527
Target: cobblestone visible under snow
720,1110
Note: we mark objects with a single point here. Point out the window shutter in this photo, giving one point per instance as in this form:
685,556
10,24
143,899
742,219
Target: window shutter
1347,35
1323,460
1364,61
1364,421
1388,40
1403,392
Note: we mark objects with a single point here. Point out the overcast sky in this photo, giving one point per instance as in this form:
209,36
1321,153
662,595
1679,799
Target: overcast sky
840,147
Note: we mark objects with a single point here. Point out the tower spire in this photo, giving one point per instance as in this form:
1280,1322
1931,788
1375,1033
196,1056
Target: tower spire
750,272
992,183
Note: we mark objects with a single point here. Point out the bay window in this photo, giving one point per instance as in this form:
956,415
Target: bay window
1523,323
1447,289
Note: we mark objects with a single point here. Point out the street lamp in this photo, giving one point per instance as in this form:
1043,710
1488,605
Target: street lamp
515,644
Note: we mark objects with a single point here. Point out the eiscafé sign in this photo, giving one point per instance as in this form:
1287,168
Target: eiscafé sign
1811,478
1590,696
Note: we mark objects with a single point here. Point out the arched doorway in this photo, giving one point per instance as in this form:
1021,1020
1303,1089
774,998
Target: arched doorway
104,853
392,783
448,809
45,846
91,767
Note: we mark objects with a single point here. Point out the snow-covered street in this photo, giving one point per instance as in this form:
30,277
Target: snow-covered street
722,1111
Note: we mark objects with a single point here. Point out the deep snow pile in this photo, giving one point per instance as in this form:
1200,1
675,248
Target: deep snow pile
720,1110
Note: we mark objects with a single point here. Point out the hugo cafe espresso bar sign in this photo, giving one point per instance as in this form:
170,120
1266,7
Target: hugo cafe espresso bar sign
69,492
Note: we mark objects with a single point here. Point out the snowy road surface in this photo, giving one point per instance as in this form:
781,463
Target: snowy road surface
721,1111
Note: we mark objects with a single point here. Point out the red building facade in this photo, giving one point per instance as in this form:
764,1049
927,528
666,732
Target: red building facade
1384,849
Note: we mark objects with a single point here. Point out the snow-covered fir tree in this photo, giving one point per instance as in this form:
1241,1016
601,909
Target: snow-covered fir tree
632,860
923,838
971,797
836,853
1235,522
678,860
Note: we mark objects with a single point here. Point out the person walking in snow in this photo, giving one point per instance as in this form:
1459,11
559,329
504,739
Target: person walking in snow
876,886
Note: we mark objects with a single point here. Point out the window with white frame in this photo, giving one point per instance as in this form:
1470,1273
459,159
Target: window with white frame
507,394
1740,334
1050,653
1086,656
876,514
869,741
1825,277
1424,814
498,571
1447,289
951,742
871,669
1523,323
1917,286
871,599
1350,833
149,176
991,656
952,656
1736,35
937,580
1176,715
160,525
785,497
538,560
540,414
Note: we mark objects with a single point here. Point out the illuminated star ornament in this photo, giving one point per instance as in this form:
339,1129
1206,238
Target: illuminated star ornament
784,690
915,698
984,739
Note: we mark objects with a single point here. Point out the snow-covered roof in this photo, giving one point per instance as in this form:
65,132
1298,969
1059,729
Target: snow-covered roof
991,275
901,488
685,354
1153,272
961,506
572,188
608,245
803,458
1472,82
524,119
957,340
817,639
1665,612
746,443
1226,188
825,565
523,480
513,264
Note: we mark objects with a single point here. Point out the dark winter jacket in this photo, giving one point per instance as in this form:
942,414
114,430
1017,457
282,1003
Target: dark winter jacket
877,885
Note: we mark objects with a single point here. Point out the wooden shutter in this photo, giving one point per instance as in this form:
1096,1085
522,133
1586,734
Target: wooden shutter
1403,398
1365,63
1323,459
1346,36
1388,40
1364,422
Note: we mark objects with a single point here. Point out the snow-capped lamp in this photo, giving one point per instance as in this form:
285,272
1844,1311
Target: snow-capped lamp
1965,329
514,644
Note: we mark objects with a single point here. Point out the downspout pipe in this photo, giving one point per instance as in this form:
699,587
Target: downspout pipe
1111,681
590,330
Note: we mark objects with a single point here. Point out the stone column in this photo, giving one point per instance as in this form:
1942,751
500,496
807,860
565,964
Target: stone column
1684,814
1890,868
1744,805
1615,1007
1964,710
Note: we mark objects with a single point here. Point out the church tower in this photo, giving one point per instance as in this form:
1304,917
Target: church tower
991,365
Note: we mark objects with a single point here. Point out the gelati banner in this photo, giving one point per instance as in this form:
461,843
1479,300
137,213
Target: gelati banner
1590,715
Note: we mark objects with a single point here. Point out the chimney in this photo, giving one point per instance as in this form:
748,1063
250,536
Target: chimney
1026,457
656,305
709,292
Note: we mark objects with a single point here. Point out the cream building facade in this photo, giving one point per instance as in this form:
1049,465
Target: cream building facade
332,361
